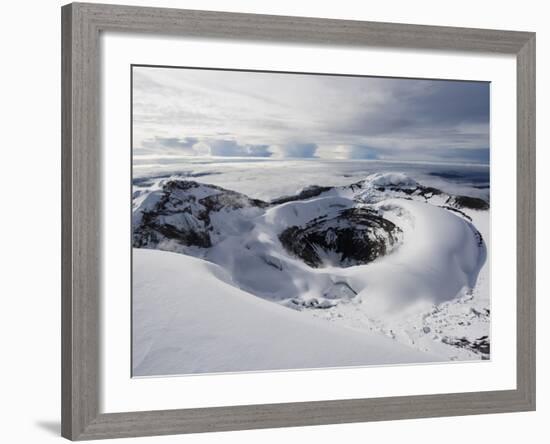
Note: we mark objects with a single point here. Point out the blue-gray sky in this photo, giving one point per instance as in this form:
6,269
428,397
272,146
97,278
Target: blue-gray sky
193,112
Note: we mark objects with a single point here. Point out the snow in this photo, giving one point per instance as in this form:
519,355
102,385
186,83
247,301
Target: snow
179,329
392,179
431,289
425,325
301,212
439,259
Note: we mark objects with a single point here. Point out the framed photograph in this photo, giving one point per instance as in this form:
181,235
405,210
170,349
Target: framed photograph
278,221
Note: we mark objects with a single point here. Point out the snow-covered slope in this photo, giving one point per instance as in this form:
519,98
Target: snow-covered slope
188,318
385,254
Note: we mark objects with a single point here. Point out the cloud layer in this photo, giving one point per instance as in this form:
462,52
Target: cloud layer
253,114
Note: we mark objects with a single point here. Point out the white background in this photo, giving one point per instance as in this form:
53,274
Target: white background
30,221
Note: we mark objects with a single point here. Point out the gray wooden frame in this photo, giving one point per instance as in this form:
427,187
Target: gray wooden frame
81,26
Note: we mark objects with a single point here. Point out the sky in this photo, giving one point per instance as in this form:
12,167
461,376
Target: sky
194,112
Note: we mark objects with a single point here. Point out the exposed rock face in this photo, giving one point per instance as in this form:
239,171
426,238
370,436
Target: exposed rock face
356,236
182,211
481,346
472,203
153,230
397,185
306,193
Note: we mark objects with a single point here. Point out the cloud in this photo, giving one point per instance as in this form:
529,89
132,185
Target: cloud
480,155
294,150
438,154
348,152
192,146
171,142
230,148
258,114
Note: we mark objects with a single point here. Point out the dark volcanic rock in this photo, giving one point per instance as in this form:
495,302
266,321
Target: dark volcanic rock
481,346
472,203
420,190
406,189
151,231
306,193
182,213
355,236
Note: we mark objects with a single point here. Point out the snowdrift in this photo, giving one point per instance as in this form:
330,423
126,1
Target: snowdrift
187,318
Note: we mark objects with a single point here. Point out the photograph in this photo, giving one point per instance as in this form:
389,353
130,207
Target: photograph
266,222
295,221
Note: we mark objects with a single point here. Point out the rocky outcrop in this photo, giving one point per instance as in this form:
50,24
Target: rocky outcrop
355,236
306,193
472,203
182,210
480,346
